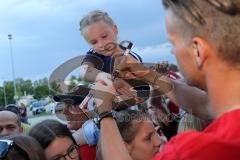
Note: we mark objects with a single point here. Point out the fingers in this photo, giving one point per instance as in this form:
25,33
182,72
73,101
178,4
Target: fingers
127,92
129,75
127,66
105,78
124,88
162,67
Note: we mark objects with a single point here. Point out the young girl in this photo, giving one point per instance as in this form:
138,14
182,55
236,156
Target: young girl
100,31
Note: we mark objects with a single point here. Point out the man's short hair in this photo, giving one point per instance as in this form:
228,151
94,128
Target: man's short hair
14,109
217,21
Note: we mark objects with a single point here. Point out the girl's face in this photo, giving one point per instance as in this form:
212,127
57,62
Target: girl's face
146,143
62,148
100,36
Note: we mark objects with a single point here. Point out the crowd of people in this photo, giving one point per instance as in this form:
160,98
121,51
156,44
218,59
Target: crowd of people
194,117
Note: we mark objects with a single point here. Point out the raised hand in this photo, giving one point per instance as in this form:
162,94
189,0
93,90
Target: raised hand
103,92
128,67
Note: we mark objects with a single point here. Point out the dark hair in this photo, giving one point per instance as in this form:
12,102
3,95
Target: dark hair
46,131
200,18
13,108
24,148
128,122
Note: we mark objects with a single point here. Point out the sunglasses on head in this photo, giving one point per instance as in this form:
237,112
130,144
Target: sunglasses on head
6,145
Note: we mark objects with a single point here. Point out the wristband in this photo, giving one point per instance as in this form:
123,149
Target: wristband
103,115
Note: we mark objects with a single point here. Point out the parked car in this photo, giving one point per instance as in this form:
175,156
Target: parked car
37,107
31,102
59,107
50,107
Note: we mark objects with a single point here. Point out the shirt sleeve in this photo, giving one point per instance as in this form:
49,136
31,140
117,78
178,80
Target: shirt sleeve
94,58
136,56
91,132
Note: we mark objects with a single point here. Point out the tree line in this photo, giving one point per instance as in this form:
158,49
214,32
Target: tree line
38,88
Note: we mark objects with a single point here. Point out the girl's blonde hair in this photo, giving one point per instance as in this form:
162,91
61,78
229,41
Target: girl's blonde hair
93,17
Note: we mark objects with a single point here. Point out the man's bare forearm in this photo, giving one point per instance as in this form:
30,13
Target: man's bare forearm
191,99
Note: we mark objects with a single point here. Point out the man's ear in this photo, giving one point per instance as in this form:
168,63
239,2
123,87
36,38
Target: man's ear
199,50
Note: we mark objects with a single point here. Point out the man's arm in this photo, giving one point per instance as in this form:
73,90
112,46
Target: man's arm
191,99
111,143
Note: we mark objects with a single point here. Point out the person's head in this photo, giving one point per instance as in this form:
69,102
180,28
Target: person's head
56,140
204,35
21,148
74,116
137,130
100,31
22,105
10,123
13,108
71,111
22,108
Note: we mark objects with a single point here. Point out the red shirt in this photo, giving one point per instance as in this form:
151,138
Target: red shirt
173,108
220,140
87,152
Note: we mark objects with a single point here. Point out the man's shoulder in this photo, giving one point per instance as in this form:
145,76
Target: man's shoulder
221,139
198,146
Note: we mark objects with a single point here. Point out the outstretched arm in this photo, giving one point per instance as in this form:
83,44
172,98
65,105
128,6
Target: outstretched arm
190,98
